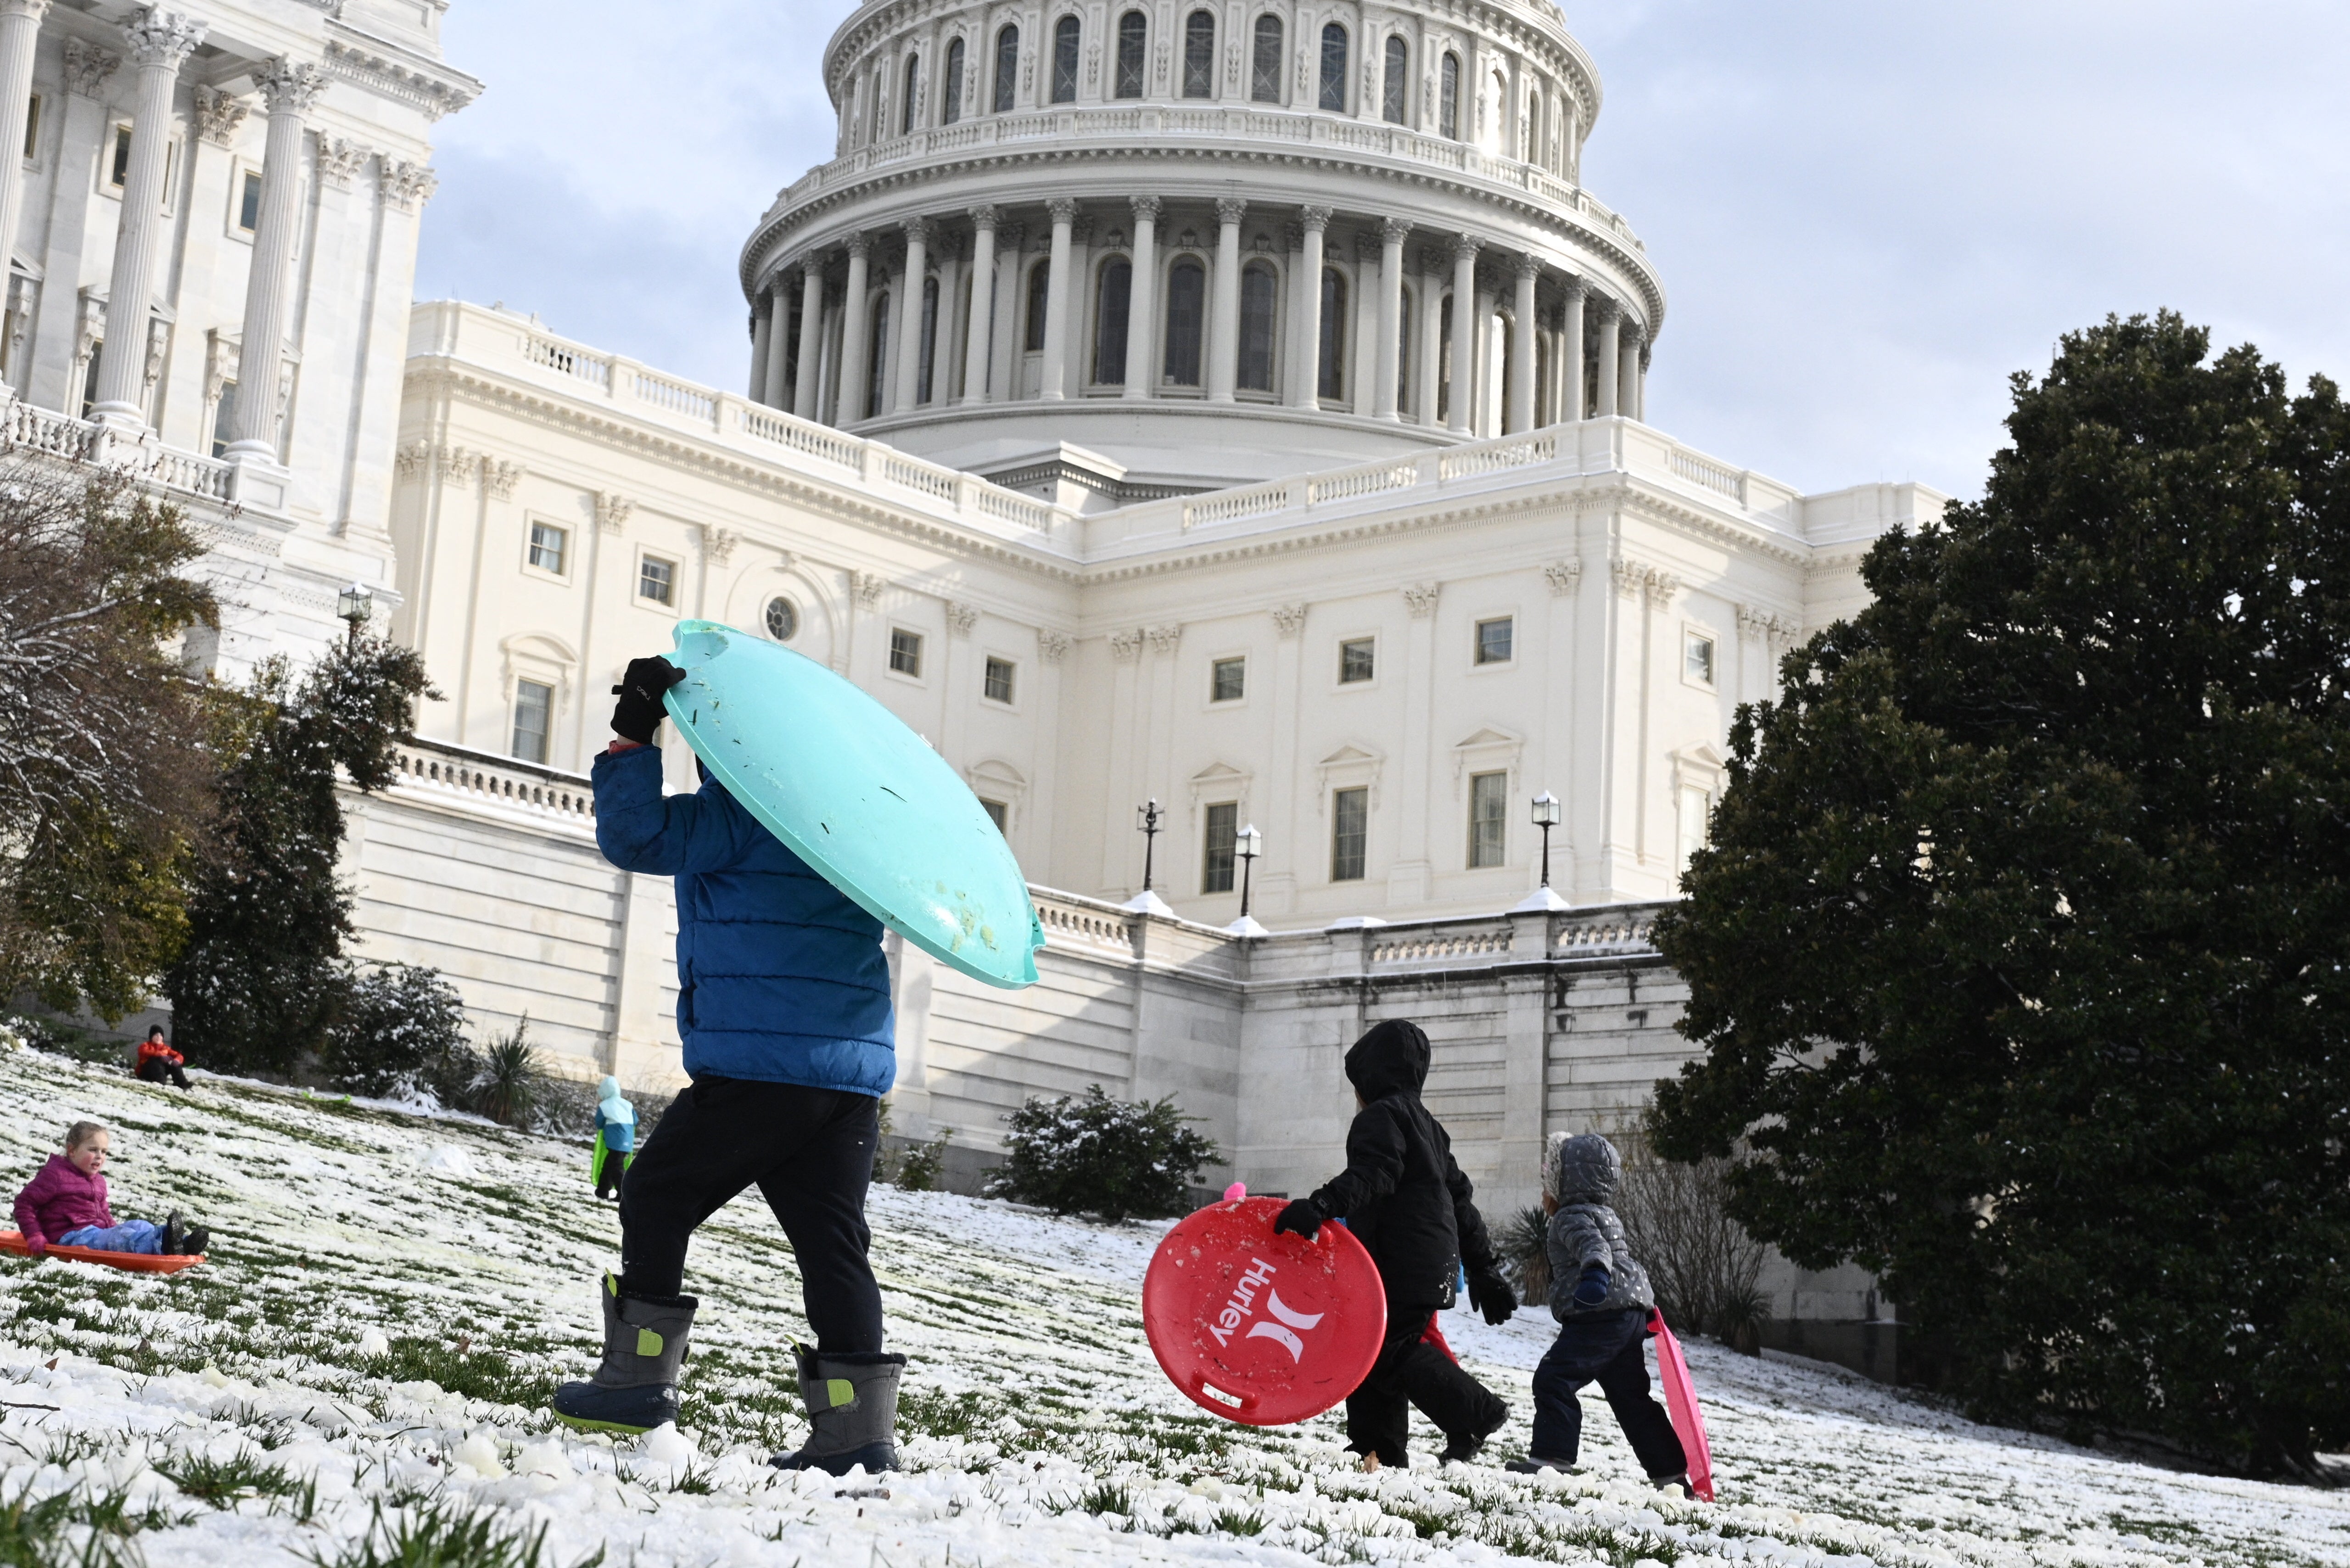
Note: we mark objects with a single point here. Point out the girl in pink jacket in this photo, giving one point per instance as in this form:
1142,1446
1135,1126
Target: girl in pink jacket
64,1206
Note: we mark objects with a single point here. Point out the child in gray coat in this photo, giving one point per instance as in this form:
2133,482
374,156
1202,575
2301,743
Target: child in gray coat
1600,1296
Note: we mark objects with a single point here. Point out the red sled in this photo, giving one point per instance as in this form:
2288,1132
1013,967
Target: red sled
135,1262
1263,1328
1680,1404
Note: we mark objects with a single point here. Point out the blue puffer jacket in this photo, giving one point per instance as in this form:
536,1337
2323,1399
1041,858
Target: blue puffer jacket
780,977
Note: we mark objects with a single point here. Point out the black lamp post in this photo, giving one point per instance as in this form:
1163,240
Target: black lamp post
354,605
1150,813
1248,845
1545,819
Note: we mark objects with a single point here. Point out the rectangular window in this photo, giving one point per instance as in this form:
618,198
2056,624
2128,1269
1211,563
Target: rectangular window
224,419
999,680
1228,679
906,652
657,580
996,814
1489,807
1350,822
533,713
248,204
32,126
1694,805
1223,835
120,175
1696,657
1357,659
547,546
1493,640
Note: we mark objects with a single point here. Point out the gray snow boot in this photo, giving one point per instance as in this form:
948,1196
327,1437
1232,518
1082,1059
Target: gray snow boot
635,1389
852,1402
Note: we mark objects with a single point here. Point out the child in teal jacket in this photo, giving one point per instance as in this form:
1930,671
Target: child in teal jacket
615,1137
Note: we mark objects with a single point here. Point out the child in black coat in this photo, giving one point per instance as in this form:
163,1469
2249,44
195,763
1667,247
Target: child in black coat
1408,1203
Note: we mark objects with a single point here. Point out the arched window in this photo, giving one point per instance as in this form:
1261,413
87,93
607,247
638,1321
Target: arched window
1395,90
929,343
1186,301
1492,115
1257,291
1133,40
1007,69
1334,69
1331,378
1065,60
951,91
1264,65
907,114
1199,55
876,356
1112,295
1040,289
1447,99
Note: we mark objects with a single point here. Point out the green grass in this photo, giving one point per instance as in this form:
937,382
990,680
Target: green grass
440,1535
73,1530
221,1483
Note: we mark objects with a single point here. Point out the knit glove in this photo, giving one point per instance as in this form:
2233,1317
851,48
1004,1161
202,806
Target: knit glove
1304,1216
1490,1293
639,712
1593,1287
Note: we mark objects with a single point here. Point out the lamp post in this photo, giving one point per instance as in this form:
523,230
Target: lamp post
354,605
1150,813
1545,819
1248,843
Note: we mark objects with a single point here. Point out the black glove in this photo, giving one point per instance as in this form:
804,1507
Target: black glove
1490,1293
639,712
1593,1287
1304,1216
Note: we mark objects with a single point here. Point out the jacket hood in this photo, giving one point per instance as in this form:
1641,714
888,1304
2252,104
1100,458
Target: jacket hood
610,1089
1391,1059
1589,1170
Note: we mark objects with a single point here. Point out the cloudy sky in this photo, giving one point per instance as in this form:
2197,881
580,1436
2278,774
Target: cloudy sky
1867,213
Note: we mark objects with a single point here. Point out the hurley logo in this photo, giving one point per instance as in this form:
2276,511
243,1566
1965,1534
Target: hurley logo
1243,1306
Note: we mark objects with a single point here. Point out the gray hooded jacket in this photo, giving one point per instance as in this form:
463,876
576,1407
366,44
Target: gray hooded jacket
1584,1175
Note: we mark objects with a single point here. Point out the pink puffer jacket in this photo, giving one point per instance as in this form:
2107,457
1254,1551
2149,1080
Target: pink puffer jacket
61,1198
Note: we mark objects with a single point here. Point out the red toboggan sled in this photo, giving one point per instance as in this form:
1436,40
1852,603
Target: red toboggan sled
1680,1404
136,1263
1263,1329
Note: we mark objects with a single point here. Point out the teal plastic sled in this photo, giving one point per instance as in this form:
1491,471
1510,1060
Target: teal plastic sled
857,795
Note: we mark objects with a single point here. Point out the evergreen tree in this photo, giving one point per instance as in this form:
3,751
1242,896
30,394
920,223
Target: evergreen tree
263,977
2021,956
1100,1156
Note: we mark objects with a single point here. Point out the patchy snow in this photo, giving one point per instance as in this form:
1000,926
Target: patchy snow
392,1297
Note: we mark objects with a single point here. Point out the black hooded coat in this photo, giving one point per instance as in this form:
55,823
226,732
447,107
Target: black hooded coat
1401,1194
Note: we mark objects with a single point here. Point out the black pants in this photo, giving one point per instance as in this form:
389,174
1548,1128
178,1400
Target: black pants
1411,1372
155,1069
811,1153
1606,1348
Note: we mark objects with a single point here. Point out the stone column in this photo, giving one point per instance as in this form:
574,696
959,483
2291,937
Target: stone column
1610,324
1057,302
908,312
777,394
1464,333
1570,350
1306,388
1224,320
762,328
1521,414
1633,344
850,399
1640,388
1426,379
1141,309
978,339
805,396
1386,366
159,42
288,88
20,31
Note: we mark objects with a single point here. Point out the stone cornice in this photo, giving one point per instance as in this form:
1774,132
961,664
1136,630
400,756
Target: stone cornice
396,72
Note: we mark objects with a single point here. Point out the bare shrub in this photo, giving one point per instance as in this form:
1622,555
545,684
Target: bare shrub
1706,1269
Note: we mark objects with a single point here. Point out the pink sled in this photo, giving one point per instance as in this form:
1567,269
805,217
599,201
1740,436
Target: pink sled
1680,1404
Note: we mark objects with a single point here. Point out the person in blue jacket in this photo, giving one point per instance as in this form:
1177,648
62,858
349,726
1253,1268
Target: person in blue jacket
783,1008
615,1138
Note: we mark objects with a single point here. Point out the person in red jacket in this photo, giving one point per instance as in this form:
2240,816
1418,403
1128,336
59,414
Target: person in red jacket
158,1062
64,1206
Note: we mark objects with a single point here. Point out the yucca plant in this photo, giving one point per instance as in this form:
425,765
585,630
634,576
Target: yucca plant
508,1086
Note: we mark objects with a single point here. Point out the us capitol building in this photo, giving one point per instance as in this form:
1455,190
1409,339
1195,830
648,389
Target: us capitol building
1237,408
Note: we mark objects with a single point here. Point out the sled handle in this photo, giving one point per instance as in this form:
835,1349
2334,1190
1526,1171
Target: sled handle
1235,1403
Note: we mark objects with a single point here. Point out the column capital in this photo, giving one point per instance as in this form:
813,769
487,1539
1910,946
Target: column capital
218,113
1367,247
1605,309
1146,208
1063,209
1465,248
1292,236
1527,267
35,9
289,86
1574,286
88,66
985,217
160,38
1634,333
406,185
1231,209
1394,231
1314,219
918,231
858,245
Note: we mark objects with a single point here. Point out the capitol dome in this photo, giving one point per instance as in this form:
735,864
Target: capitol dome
1110,252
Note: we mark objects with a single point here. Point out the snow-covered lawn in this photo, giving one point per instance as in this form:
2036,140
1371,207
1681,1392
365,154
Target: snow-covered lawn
359,1376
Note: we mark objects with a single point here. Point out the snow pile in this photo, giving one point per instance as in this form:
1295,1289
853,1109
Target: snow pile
359,1376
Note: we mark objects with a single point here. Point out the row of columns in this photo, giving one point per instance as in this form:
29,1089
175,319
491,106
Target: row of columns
158,43
1620,350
